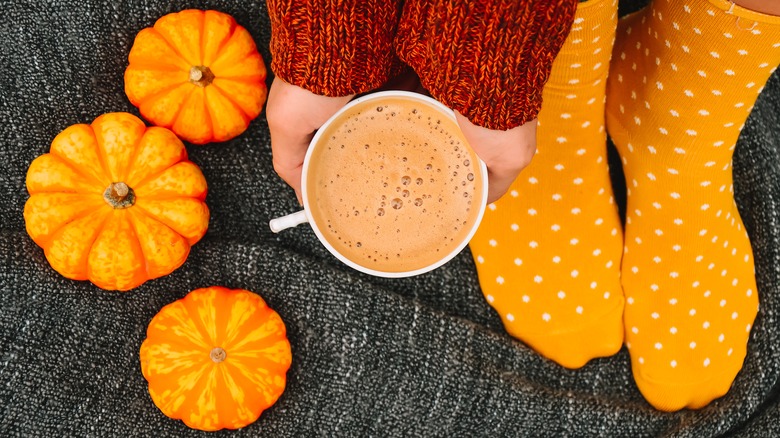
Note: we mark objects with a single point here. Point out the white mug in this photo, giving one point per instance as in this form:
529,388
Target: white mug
303,216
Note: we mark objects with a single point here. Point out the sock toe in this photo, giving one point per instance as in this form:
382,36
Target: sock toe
548,253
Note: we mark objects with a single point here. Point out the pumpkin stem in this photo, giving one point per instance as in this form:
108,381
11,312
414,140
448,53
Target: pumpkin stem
119,195
218,354
201,75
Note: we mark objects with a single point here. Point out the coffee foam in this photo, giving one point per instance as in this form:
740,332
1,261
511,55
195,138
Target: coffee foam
393,185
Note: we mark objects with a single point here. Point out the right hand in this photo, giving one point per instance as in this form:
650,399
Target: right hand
294,115
505,153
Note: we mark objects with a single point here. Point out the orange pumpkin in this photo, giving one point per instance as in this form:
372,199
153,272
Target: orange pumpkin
216,358
115,202
197,73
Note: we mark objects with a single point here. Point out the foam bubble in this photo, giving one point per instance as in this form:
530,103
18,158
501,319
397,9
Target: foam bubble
380,165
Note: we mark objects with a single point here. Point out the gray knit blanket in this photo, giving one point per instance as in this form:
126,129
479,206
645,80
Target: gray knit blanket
423,356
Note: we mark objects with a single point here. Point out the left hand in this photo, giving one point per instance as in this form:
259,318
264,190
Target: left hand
294,115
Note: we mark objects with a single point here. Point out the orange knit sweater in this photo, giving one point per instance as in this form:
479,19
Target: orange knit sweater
487,59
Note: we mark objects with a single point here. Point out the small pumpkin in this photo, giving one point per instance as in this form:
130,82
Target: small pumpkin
216,358
115,202
197,73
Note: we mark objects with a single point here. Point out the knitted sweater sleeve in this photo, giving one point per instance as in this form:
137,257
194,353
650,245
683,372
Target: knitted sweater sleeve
487,59
334,48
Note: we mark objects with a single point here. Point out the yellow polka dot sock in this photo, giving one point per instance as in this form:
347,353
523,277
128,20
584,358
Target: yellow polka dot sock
548,252
684,77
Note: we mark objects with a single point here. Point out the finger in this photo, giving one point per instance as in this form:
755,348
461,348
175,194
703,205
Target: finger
289,141
505,153
294,115
289,151
498,184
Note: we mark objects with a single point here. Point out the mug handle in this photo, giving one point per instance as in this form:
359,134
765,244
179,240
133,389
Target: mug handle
289,221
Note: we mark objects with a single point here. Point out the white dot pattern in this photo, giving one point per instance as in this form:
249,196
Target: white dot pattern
686,262
554,278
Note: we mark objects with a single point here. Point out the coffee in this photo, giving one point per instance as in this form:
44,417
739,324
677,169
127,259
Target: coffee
393,186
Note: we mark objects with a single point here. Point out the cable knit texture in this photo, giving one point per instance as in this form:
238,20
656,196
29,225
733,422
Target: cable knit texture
334,48
487,59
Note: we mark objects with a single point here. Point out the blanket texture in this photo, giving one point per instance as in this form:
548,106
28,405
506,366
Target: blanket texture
423,356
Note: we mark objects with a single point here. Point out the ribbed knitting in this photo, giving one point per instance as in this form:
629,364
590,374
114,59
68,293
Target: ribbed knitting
334,48
489,60
486,59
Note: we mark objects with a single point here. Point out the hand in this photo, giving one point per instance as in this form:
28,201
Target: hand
505,153
293,115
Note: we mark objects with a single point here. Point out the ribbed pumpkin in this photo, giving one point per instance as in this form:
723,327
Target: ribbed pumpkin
115,202
197,73
216,358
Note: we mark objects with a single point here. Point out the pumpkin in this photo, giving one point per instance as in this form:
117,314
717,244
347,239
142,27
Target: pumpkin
197,73
216,358
115,202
